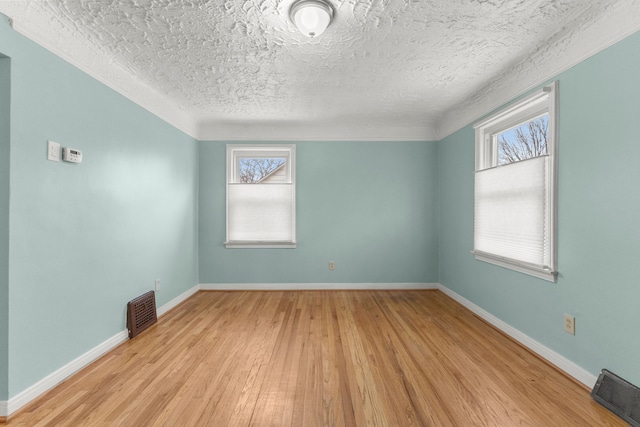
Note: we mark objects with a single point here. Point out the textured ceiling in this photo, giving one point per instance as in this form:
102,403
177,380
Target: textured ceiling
394,69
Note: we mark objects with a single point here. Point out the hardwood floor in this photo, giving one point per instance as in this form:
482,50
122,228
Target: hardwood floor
325,358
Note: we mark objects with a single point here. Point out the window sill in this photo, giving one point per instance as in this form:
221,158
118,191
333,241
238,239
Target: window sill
260,245
532,270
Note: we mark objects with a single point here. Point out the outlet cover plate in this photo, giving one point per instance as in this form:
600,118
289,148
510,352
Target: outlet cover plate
569,324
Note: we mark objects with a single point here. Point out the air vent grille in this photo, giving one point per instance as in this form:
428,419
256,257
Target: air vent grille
619,396
141,313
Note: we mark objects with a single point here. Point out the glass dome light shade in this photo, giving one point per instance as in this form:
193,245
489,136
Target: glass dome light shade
311,17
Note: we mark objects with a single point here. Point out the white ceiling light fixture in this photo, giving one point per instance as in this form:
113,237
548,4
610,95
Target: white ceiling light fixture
311,17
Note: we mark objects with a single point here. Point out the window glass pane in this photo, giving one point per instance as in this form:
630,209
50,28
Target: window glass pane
262,170
525,141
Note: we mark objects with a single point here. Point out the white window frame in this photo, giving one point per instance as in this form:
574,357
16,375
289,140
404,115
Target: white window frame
542,101
237,151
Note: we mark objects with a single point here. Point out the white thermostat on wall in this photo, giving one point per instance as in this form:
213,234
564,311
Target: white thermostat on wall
71,155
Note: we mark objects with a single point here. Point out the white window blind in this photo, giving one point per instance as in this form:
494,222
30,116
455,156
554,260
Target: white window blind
260,212
511,212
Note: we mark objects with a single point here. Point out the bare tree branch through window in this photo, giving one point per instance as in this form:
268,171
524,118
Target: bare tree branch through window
253,170
524,142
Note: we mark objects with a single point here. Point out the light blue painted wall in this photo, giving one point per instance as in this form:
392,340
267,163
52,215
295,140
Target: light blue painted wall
599,235
5,80
86,238
369,206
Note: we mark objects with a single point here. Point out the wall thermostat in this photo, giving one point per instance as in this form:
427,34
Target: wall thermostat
71,155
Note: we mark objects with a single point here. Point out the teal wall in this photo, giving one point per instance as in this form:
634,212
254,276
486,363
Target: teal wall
86,238
5,91
599,210
369,206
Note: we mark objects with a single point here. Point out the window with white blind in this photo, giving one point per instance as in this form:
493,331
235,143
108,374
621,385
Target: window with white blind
515,186
261,207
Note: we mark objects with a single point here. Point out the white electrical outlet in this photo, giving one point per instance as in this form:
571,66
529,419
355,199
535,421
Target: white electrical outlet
569,324
332,265
53,151
157,285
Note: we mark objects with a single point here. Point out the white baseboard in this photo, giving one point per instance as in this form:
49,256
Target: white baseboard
63,373
546,353
177,300
12,405
312,286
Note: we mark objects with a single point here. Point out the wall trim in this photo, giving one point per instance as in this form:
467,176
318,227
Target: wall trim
177,300
56,377
309,130
569,47
52,380
91,61
559,361
588,34
313,286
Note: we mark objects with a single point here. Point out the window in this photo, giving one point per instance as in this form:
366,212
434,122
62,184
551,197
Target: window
261,209
515,186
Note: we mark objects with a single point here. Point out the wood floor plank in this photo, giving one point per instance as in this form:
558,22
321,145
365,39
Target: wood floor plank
318,358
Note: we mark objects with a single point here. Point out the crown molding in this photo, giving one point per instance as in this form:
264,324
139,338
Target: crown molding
109,73
589,34
97,65
311,131
585,37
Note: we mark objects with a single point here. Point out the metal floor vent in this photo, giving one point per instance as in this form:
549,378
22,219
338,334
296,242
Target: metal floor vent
619,396
141,313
